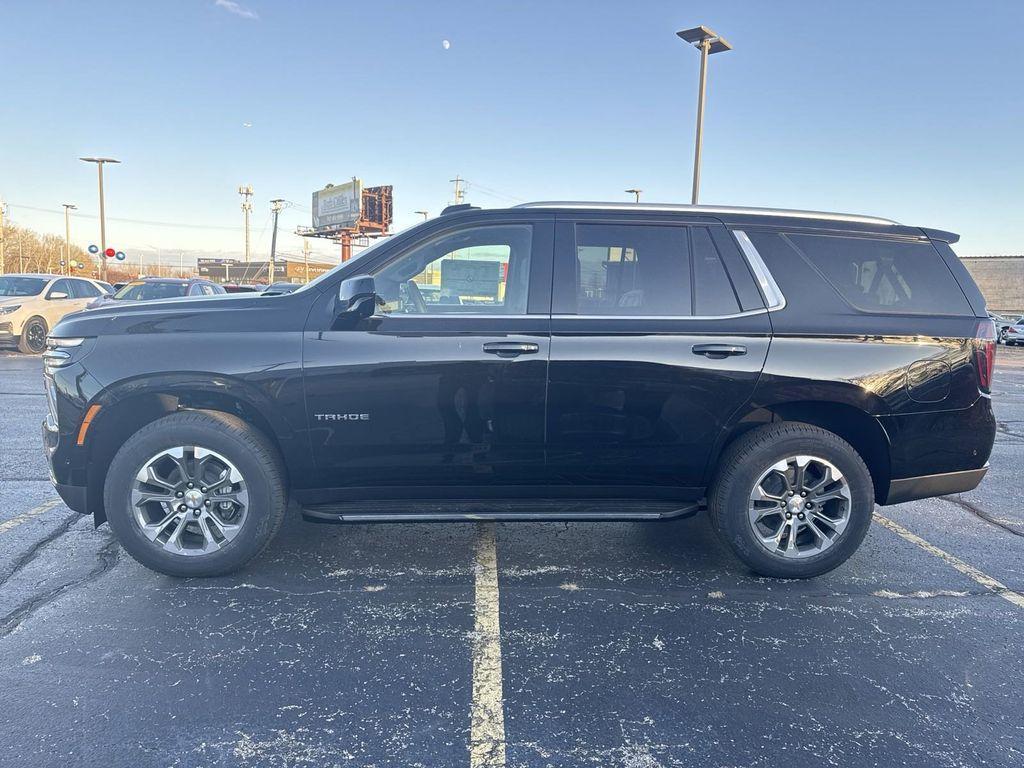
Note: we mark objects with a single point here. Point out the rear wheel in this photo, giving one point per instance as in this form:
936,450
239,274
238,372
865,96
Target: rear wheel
792,500
33,336
195,494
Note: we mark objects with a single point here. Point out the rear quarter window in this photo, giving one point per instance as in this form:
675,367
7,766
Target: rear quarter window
877,275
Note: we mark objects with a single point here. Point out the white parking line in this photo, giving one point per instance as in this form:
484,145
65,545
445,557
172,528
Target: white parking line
14,522
967,570
487,730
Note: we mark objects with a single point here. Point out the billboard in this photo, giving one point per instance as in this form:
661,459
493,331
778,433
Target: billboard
338,205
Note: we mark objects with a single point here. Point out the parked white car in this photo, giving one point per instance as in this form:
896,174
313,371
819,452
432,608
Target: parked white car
31,304
1013,334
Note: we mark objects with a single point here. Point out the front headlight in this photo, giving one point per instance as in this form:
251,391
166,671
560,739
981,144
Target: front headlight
57,342
59,351
9,308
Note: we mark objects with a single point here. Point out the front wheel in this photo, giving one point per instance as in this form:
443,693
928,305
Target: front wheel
33,336
195,493
792,500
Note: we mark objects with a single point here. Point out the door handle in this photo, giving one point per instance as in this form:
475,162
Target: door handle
719,351
511,348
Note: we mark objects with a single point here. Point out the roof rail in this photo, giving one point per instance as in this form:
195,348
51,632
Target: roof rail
459,207
711,209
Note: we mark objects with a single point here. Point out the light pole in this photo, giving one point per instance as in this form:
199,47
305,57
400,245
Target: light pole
275,205
707,42
424,214
635,192
246,192
100,162
3,210
68,208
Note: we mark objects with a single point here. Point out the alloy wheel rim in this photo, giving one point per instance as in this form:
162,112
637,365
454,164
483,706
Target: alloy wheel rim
189,500
799,507
36,336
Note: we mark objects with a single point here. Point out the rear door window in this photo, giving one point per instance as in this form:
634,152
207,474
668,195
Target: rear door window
876,275
633,269
83,289
713,291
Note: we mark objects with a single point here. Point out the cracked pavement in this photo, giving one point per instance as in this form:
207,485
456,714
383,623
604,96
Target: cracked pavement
626,644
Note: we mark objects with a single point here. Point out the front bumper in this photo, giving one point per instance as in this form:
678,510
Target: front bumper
7,337
74,496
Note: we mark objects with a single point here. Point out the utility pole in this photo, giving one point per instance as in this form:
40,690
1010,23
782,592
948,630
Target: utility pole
246,192
459,193
275,205
100,161
68,208
21,253
635,192
305,255
707,41
3,210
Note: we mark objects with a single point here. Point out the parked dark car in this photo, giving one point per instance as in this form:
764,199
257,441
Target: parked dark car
784,370
149,288
282,286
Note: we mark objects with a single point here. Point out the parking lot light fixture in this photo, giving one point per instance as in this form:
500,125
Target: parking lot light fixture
100,162
707,41
635,193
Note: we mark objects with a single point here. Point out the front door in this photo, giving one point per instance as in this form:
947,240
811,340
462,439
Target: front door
446,384
659,334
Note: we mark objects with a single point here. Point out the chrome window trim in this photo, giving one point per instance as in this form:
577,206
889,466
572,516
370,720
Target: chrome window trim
773,296
471,315
747,313
710,209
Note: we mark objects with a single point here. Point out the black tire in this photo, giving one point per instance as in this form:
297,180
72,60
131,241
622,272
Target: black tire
247,448
33,336
748,457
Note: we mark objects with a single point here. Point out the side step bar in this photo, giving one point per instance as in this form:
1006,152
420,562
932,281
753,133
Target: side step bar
462,510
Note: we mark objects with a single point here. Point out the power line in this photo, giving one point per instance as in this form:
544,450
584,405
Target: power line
180,225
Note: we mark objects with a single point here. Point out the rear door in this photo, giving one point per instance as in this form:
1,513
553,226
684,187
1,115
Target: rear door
84,291
659,334
446,384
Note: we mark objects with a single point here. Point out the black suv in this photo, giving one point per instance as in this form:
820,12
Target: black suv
785,370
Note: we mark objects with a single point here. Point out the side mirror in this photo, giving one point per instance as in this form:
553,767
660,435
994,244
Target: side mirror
357,296
56,295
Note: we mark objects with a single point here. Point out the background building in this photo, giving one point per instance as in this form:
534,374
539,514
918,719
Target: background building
238,271
1001,279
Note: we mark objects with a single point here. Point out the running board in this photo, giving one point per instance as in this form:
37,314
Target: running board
533,510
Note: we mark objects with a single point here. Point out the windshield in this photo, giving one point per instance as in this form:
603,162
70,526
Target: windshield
147,291
22,286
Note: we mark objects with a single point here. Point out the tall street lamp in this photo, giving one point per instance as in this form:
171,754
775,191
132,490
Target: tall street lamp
68,208
707,41
635,193
100,162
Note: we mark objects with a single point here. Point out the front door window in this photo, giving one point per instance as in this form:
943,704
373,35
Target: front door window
484,270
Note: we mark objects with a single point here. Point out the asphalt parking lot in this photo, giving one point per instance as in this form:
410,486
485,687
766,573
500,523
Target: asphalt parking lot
639,645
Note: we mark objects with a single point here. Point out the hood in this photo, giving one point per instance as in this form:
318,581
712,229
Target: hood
8,300
200,313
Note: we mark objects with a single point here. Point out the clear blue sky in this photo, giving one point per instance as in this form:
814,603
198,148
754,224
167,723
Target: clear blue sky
912,110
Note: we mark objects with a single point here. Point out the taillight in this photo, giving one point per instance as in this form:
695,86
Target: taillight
985,353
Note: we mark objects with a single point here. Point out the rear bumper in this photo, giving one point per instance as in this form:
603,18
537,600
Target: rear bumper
926,486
